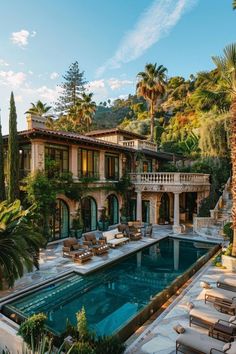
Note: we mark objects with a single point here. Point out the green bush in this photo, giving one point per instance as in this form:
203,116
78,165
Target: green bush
228,231
108,345
32,329
228,250
82,348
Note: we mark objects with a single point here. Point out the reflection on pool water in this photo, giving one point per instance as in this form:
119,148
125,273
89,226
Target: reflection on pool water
114,295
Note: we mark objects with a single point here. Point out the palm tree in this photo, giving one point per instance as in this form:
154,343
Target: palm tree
234,5
19,242
88,108
226,66
39,108
151,86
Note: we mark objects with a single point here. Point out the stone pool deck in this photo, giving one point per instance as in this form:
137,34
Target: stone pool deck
52,264
159,337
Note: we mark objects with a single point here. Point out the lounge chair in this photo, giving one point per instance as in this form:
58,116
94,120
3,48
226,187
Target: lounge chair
98,247
192,341
206,316
227,282
217,294
82,256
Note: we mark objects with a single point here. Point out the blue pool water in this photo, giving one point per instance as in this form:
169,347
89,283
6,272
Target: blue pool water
114,295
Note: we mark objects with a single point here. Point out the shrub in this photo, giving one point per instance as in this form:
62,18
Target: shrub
228,231
228,250
82,348
108,345
32,329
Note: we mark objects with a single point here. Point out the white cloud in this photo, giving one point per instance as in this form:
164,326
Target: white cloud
21,38
18,99
14,79
30,72
116,83
54,75
49,94
154,23
3,63
95,85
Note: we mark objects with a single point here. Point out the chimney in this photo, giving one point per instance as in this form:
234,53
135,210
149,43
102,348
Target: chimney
34,121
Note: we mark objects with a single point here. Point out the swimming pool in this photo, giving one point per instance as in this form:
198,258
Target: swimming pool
114,295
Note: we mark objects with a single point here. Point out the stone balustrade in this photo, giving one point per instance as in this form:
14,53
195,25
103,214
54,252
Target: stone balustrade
170,178
139,144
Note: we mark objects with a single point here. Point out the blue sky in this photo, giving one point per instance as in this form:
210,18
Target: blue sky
112,41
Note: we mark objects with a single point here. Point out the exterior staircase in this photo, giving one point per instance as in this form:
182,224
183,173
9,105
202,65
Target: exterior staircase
212,227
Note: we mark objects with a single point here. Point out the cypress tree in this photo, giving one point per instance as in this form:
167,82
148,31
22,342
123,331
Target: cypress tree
13,154
2,179
71,88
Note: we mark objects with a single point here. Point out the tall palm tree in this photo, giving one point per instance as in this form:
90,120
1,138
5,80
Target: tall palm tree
152,87
226,66
19,242
234,5
88,108
39,108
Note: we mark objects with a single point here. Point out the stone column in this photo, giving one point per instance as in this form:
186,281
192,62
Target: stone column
176,254
102,165
176,226
158,205
38,156
139,205
73,162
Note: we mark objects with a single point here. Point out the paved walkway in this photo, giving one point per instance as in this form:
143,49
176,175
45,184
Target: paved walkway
159,337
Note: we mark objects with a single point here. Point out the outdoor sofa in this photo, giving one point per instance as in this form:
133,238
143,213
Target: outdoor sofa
192,341
98,247
79,253
115,238
135,230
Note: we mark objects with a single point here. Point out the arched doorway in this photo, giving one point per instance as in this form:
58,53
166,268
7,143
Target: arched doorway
113,209
60,221
164,213
89,213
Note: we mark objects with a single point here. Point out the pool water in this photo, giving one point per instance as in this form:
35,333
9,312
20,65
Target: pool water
114,295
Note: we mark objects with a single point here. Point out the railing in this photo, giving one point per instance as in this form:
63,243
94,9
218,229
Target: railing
139,144
206,222
170,178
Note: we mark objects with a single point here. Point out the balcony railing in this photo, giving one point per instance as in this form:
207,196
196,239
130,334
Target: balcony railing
139,144
170,178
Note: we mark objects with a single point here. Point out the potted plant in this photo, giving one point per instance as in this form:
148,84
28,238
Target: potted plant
103,222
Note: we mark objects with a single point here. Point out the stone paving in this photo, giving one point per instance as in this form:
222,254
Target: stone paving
159,337
52,264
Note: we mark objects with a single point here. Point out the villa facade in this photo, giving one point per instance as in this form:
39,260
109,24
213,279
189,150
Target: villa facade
100,159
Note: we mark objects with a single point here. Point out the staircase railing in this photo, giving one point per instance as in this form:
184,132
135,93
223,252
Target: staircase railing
199,222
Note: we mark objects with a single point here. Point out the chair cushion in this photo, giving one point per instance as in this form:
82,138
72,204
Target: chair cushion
119,235
199,341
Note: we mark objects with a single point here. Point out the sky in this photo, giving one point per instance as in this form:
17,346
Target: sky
112,41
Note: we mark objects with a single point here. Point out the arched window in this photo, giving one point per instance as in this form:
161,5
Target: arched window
89,213
113,209
60,221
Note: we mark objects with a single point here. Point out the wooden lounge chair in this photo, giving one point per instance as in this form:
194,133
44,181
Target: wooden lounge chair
98,247
206,316
192,341
82,256
227,282
217,294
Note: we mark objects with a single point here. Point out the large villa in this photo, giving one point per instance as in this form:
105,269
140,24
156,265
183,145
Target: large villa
102,158
137,246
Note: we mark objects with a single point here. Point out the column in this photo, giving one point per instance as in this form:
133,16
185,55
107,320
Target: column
176,254
102,165
38,156
139,205
158,205
73,162
176,226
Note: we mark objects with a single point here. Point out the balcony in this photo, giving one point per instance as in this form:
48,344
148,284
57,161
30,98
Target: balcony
171,181
139,144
